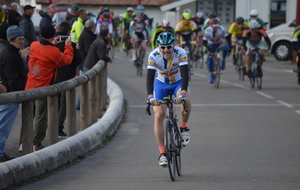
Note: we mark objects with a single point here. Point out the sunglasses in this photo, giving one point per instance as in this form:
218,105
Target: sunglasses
168,47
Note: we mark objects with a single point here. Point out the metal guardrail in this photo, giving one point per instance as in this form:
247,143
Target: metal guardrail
93,98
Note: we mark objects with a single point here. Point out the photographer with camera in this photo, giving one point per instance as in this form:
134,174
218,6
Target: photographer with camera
66,72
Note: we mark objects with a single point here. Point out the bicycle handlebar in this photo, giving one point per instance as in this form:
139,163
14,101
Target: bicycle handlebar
183,102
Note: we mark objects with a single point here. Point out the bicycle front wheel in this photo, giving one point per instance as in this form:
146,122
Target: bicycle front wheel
217,74
178,149
170,149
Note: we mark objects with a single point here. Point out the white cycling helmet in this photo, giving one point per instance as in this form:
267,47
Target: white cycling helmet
254,12
199,14
187,11
165,23
253,24
129,9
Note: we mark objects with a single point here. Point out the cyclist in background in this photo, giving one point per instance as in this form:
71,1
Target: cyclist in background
212,40
236,31
199,20
168,77
105,21
126,19
164,27
296,47
254,16
252,38
185,30
139,30
141,9
212,15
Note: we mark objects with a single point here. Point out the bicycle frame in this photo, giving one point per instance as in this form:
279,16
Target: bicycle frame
172,138
139,59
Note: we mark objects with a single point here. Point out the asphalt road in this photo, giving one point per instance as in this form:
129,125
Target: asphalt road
241,138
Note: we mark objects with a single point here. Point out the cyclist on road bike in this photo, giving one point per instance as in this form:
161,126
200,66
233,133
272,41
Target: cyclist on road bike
199,20
105,21
236,31
164,27
126,19
212,40
139,30
185,30
212,15
296,47
252,38
254,16
141,9
168,65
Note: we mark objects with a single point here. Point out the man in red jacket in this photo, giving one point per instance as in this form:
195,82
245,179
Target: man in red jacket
44,59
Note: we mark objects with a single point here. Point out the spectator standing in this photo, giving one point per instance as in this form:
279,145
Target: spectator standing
46,17
13,73
65,73
26,25
72,16
78,25
13,16
97,50
2,15
86,38
3,38
44,59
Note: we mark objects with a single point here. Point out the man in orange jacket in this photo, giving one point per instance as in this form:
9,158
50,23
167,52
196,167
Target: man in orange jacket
44,59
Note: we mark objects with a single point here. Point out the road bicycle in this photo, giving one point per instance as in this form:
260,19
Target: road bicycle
172,138
187,45
199,55
138,63
240,65
217,67
256,68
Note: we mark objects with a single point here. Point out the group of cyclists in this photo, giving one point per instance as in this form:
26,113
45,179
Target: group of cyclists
168,63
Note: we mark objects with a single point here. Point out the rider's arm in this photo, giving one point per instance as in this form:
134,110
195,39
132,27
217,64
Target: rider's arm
184,77
150,81
268,41
177,37
131,28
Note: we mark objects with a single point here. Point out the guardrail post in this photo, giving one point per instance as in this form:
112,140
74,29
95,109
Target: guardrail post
92,100
71,112
52,105
27,127
84,107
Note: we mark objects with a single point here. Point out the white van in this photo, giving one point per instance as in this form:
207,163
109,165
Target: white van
281,37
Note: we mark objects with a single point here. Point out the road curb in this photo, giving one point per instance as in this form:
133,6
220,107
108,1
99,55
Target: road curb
54,156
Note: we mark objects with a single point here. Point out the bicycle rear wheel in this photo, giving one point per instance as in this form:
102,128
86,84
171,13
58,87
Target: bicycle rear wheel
253,78
170,149
139,63
201,60
217,74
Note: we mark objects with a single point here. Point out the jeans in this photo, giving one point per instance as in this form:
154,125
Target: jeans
8,115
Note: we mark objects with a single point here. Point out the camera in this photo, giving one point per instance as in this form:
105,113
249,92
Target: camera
63,38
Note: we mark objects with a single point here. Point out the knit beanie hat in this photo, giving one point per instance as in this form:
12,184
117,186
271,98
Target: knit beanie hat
48,32
13,32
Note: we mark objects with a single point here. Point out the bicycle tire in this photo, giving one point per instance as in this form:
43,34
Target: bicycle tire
178,142
259,80
112,52
139,64
170,149
217,74
253,78
201,58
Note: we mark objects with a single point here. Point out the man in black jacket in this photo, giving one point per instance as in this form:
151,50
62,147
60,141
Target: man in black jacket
26,25
13,73
97,51
86,38
13,16
46,17
65,73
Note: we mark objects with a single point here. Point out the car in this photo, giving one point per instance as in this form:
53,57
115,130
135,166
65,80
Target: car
281,38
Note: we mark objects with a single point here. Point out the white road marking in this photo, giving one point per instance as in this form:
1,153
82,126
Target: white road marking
285,104
263,94
241,86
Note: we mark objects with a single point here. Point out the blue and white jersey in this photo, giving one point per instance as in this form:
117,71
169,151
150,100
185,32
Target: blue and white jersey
167,70
214,37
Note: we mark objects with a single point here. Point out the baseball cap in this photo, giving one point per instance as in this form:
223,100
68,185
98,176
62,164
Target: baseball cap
28,7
